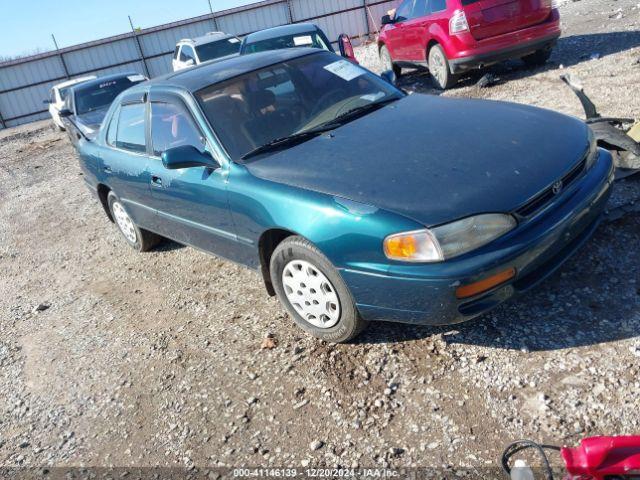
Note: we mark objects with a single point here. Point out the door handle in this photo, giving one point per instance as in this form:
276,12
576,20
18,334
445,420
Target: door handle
156,181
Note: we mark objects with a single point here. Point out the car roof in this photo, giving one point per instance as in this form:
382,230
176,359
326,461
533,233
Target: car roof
216,71
74,81
106,78
207,38
275,32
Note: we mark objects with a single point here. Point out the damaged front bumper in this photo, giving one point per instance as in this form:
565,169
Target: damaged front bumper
426,294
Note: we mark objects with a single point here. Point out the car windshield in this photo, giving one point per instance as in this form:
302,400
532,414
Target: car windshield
100,95
306,39
290,98
219,49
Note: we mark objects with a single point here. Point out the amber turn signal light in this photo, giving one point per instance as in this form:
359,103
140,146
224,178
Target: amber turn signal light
485,284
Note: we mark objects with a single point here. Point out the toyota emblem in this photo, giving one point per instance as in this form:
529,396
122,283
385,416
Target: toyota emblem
557,187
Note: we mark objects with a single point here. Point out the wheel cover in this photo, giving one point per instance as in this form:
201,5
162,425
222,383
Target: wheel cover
437,66
125,224
311,294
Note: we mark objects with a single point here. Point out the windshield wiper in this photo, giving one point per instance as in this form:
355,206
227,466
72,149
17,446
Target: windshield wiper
289,140
360,110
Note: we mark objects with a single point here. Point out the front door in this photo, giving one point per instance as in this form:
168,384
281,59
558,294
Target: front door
191,203
397,31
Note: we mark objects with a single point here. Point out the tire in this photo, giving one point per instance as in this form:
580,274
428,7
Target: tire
538,58
440,70
139,239
387,61
297,263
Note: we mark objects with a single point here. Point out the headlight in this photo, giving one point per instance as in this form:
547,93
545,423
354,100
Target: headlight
448,241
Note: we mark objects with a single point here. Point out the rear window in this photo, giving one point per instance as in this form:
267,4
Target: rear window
306,39
100,95
219,49
131,131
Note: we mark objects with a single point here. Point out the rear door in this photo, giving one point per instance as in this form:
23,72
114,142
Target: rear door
125,161
488,18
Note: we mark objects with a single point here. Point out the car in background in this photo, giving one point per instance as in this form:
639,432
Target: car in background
57,96
88,102
212,46
356,201
451,37
294,36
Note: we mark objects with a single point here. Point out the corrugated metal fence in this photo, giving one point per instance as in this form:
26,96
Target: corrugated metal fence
25,83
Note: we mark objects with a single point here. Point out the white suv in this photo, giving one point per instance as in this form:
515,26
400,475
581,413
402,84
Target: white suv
190,52
57,96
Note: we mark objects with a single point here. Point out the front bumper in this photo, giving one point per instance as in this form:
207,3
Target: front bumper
425,294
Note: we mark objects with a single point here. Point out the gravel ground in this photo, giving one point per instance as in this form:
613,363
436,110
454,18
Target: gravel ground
112,358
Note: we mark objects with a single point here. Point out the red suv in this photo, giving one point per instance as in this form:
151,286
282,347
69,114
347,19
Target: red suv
454,36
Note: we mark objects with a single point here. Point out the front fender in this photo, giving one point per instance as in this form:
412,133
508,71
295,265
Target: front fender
349,233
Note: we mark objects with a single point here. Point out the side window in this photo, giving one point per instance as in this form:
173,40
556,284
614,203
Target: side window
175,52
404,10
52,96
438,5
131,131
113,128
173,126
187,53
420,9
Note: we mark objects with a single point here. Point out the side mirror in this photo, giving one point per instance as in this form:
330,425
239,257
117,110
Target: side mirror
187,156
389,77
346,47
387,20
65,112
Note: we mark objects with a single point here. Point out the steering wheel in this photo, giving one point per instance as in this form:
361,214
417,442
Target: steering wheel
320,104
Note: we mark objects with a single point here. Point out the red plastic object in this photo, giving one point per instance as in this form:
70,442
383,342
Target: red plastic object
603,457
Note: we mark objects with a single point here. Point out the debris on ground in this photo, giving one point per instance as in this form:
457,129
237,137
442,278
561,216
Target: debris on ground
487,80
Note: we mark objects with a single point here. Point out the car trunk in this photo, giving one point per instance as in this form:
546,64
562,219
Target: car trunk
488,18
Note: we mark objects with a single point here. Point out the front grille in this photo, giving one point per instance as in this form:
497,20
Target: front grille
540,200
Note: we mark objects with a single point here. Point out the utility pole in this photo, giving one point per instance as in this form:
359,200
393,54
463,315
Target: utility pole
142,57
64,64
213,17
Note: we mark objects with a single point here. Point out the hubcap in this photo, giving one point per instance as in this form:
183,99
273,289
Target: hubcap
311,294
437,67
124,222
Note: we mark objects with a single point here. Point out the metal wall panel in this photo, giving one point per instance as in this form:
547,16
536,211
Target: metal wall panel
29,80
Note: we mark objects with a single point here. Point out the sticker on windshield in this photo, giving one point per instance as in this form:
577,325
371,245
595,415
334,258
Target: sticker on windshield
234,40
136,78
345,70
302,41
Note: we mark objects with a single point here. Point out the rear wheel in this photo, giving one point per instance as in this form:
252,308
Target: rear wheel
139,239
538,58
439,69
313,292
387,61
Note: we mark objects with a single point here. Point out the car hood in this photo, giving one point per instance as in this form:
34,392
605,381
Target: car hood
436,159
90,122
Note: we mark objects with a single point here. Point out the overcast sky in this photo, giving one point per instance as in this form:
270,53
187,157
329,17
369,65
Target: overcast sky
27,25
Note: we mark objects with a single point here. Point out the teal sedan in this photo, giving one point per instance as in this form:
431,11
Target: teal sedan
355,201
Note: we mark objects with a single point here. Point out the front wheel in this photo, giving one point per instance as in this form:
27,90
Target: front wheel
313,292
439,69
139,239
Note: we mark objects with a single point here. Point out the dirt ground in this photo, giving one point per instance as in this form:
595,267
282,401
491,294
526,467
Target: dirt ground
112,358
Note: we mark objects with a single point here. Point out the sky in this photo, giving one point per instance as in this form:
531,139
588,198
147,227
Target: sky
26,25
